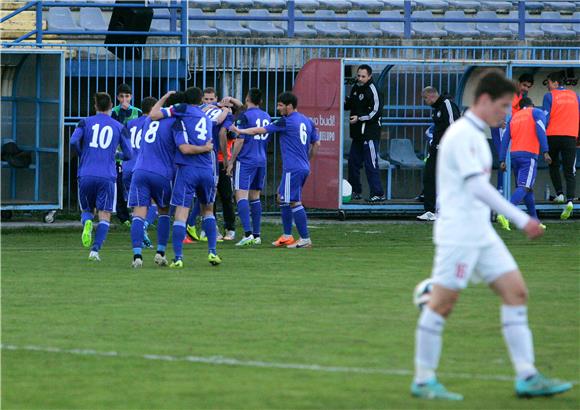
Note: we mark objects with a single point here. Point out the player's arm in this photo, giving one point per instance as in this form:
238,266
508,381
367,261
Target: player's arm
77,137
238,144
157,112
547,106
189,149
376,105
232,100
314,142
505,143
125,143
540,119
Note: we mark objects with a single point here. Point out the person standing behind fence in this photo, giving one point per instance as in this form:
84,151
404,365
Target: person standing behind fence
444,113
365,105
562,109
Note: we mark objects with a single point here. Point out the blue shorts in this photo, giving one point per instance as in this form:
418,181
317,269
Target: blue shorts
248,177
193,182
127,177
290,189
147,186
525,171
99,193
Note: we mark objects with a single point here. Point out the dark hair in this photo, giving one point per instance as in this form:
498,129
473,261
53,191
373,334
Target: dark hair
147,104
193,95
494,83
526,78
526,102
209,90
102,102
255,96
557,76
288,98
365,67
124,89
177,98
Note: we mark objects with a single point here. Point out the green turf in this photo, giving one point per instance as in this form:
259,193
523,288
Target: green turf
346,302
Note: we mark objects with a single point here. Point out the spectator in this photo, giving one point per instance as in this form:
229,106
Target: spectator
444,112
562,109
365,105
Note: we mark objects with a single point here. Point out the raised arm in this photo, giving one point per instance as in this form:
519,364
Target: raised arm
156,113
77,137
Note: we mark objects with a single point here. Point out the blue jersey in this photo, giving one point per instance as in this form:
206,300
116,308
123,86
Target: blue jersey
158,149
254,149
96,140
135,128
192,127
297,133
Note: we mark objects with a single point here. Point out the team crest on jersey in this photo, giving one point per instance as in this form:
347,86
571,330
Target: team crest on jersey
438,114
361,96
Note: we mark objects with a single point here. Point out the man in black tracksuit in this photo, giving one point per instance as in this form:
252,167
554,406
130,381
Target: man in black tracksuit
365,105
444,113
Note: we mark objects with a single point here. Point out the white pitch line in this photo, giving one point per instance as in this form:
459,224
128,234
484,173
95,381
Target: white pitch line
226,361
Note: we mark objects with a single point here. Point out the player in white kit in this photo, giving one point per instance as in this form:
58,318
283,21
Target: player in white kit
468,248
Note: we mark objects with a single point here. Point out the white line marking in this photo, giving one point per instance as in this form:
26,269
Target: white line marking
226,361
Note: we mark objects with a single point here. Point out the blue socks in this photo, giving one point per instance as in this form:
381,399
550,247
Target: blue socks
301,221
286,218
531,204
194,213
162,233
210,227
137,234
101,235
86,216
178,236
518,195
151,215
244,213
256,209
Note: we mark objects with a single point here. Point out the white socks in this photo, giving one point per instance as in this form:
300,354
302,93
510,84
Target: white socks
428,344
517,335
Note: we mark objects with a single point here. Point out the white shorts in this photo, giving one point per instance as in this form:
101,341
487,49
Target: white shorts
456,265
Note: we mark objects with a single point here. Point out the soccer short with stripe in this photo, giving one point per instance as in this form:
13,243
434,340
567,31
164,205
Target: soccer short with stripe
457,265
191,182
248,177
147,186
525,171
290,189
97,192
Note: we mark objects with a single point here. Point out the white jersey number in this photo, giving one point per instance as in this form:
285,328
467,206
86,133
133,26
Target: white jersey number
201,128
135,138
151,133
261,124
303,134
101,139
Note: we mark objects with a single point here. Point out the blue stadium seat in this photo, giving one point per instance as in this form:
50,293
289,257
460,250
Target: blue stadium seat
359,28
576,26
206,5
200,27
61,18
391,28
371,5
307,5
533,30
238,4
534,5
396,4
158,24
338,5
301,28
560,29
492,29
464,4
264,28
428,29
497,5
402,153
459,29
560,5
432,4
270,4
91,18
328,28
230,27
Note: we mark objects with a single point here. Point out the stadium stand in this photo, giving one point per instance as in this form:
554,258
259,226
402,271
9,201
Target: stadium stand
576,26
301,28
238,4
61,18
160,20
464,5
307,5
392,28
492,29
336,5
496,5
230,28
329,28
432,4
560,5
263,28
92,18
427,29
200,27
460,29
402,153
206,5
361,29
560,30
370,5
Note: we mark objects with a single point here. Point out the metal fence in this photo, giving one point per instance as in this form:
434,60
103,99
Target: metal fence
233,69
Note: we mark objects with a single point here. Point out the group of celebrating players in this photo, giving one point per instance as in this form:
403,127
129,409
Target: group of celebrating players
170,155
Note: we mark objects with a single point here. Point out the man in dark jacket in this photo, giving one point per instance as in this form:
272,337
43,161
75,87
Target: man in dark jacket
444,113
365,105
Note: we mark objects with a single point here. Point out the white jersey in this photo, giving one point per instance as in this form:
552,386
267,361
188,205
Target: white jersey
463,153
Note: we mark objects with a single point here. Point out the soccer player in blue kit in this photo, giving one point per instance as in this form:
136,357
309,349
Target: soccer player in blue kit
299,142
196,170
152,180
96,139
249,157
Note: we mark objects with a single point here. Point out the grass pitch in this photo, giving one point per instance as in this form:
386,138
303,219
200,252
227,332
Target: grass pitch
328,327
